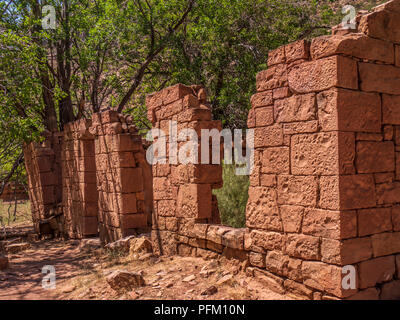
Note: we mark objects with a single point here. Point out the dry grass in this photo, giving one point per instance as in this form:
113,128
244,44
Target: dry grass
22,215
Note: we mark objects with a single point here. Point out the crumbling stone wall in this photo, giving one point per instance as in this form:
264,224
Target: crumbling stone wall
185,210
93,177
14,191
80,194
43,167
326,189
123,177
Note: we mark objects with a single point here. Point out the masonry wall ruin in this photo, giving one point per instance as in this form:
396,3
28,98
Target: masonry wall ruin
43,167
90,180
124,180
186,216
80,196
324,192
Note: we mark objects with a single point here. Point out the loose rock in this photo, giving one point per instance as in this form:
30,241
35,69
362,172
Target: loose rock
120,280
17,247
210,291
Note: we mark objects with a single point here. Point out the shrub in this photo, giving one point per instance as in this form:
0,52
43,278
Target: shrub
232,197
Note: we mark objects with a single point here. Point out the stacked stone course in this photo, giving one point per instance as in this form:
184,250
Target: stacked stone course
123,177
186,213
326,189
79,180
324,192
43,168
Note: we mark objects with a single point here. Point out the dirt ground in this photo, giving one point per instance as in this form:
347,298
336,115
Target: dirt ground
81,274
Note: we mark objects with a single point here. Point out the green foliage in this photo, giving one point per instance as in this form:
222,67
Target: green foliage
232,197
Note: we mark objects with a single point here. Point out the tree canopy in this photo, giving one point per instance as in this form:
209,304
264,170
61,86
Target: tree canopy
112,53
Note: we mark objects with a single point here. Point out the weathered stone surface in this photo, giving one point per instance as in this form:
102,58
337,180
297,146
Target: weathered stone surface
375,157
272,78
262,209
3,262
271,281
347,110
319,75
318,153
302,246
355,250
17,247
292,217
295,108
391,291
330,251
297,190
388,81
262,99
376,271
324,277
371,221
385,243
330,224
194,200
275,160
368,294
297,50
270,136
297,290
261,241
354,44
390,109
300,127
388,193
121,280
383,24
264,116
396,218
257,259
276,56
357,192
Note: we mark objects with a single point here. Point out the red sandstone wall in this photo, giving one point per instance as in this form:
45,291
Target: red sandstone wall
125,200
12,191
185,211
43,167
326,189
80,194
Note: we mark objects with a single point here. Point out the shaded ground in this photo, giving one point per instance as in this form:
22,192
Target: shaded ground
81,274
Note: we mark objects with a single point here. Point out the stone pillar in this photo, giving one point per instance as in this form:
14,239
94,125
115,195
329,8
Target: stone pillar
182,192
42,163
80,194
326,189
124,198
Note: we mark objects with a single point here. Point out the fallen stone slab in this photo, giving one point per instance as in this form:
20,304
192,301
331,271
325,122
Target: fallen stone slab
90,244
17,247
121,280
209,291
122,245
3,262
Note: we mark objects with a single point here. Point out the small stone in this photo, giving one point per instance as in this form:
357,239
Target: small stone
69,289
189,278
225,279
124,280
210,291
17,247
